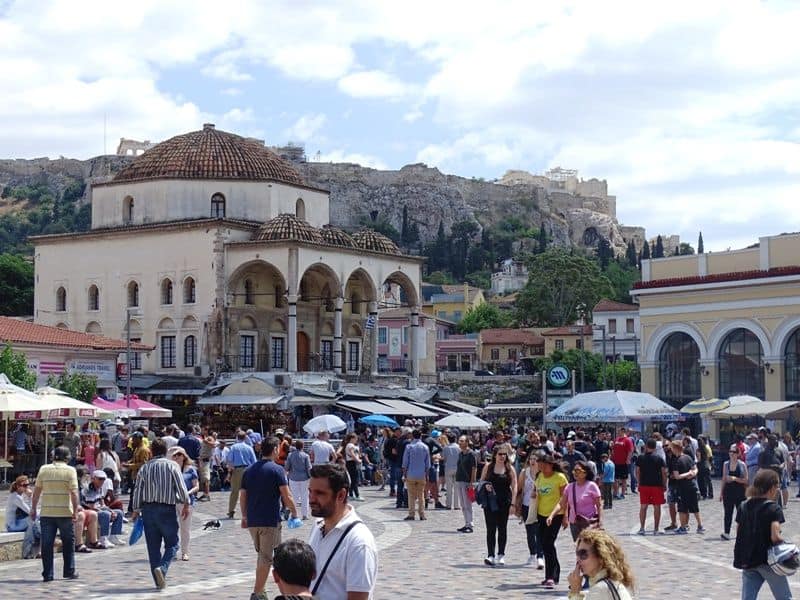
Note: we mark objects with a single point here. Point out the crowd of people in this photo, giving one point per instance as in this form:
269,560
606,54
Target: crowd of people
546,481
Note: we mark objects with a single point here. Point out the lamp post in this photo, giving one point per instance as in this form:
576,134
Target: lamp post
131,310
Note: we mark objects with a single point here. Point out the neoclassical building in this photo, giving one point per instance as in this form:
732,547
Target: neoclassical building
722,324
212,249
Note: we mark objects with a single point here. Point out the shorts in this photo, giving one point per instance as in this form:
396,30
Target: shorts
687,500
672,494
652,495
620,472
264,541
433,474
204,471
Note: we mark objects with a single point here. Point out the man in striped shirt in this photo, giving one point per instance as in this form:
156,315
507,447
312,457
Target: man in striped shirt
159,487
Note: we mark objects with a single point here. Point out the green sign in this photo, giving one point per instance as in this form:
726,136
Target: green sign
558,375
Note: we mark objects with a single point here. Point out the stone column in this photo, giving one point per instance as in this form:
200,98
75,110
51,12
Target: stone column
373,338
337,335
292,334
414,343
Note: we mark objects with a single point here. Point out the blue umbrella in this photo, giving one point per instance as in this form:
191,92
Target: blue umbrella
378,421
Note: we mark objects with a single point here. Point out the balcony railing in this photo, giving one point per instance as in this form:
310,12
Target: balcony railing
243,363
393,365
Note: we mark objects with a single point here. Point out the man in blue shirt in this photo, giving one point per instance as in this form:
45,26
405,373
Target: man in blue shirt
751,455
239,458
191,443
263,487
416,462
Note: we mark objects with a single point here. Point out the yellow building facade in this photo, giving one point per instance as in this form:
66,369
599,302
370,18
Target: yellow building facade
722,324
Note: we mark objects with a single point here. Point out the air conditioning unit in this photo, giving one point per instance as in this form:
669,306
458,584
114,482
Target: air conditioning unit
201,371
283,380
334,385
411,383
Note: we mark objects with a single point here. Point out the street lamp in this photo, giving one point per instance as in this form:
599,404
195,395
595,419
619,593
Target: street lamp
131,310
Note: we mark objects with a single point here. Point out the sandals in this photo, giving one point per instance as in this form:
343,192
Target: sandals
83,548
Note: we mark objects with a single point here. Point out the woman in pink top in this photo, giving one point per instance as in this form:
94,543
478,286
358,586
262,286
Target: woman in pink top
581,497
89,452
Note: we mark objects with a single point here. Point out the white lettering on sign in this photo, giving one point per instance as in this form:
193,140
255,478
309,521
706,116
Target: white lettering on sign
102,369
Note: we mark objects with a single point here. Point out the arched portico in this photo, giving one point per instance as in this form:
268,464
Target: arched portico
657,338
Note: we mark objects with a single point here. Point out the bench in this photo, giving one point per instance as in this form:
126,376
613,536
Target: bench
11,545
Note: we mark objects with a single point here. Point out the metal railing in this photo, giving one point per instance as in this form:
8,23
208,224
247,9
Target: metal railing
244,363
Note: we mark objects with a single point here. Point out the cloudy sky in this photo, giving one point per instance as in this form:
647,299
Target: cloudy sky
690,110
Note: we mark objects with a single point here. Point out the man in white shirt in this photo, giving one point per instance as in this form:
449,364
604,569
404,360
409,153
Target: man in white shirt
322,452
352,568
170,439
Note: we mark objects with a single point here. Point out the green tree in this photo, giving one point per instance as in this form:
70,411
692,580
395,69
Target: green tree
561,287
622,277
438,278
542,239
700,248
78,385
404,226
461,234
621,375
659,251
630,254
604,253
16,286
15,366
645,251
685,249
483,316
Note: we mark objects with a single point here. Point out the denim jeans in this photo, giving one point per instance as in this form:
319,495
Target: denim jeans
395,478
18,524
753,579
106,525
160,526
66,529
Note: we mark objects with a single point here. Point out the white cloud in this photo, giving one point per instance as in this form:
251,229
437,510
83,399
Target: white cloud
373,84
343,156
305,128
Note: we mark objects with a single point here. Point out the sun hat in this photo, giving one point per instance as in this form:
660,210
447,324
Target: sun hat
99,474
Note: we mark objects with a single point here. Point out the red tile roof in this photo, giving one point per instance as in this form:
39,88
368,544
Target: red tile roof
511,337
612,306
569,330
15,331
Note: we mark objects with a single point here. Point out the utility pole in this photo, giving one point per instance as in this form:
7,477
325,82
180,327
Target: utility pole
614,367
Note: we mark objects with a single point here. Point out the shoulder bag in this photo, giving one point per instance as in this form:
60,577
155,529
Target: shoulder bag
581,522
330,558
612,588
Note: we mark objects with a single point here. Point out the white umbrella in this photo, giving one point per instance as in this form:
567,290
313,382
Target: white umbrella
462,420
742,399
68,406
19,403
329,423
613,406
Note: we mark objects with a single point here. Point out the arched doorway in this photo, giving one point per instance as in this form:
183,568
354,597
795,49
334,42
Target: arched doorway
303,350
741,364
791,358
679,370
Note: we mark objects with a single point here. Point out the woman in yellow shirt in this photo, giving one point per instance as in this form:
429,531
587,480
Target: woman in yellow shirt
550,484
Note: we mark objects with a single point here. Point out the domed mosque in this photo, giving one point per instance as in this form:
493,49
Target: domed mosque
213,249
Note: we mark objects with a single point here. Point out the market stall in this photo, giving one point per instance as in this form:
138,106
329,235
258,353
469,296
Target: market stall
613,406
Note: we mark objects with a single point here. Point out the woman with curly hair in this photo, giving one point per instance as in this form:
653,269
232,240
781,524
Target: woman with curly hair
601,558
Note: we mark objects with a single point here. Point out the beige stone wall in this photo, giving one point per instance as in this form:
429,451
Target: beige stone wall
677,266
784,250
735,260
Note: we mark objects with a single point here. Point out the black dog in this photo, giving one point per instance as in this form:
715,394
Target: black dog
215,524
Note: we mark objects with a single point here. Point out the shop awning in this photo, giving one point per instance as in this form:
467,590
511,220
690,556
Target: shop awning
368,407
406,408
236,399
461,406
521,407
437,409
769,409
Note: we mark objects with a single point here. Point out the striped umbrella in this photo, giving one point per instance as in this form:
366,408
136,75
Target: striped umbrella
705,405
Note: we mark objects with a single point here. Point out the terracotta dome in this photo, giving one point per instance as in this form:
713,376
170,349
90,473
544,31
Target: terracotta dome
210,154
288,228
369,239
336,237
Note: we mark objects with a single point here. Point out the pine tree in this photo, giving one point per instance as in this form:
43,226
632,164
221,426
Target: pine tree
604,253
645,251
700,249
659,249
630,254
542,239
404,228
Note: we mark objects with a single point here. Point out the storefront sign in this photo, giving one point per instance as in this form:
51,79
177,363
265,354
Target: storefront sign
104,370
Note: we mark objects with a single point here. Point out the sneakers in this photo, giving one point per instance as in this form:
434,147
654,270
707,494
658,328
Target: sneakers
103,544
540,563
724,536
489,561
440,506
259,596
701,529
681,531
670,527
641,531
409,518
116,540
500,560
549,584
464,529
160,578
531,561
657,532
184,556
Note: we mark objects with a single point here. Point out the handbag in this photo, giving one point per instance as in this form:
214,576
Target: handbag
582,522
471,494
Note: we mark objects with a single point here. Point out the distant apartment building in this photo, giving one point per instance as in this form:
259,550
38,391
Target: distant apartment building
394,344
616,330
457,353
566,338
450,302
502,349
512,277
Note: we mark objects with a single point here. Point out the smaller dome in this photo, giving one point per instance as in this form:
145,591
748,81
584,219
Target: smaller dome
336,237
288,228
369,239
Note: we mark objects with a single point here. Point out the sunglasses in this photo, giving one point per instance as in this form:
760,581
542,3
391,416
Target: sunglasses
502,454
582,554
578,471
733,452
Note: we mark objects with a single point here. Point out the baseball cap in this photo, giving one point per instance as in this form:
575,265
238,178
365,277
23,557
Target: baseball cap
99,474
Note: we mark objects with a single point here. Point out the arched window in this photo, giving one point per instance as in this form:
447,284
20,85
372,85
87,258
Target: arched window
741,365
791,356
166,291
94,298
127,209
249,292
189,350
189,291
218,206
679,370
61,299
355,304
279,299
300,209
133,294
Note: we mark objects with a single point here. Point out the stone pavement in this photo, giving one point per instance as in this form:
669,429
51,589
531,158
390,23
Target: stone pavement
419,559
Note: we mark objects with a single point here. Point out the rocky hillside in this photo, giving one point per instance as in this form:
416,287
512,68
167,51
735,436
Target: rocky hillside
359,193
